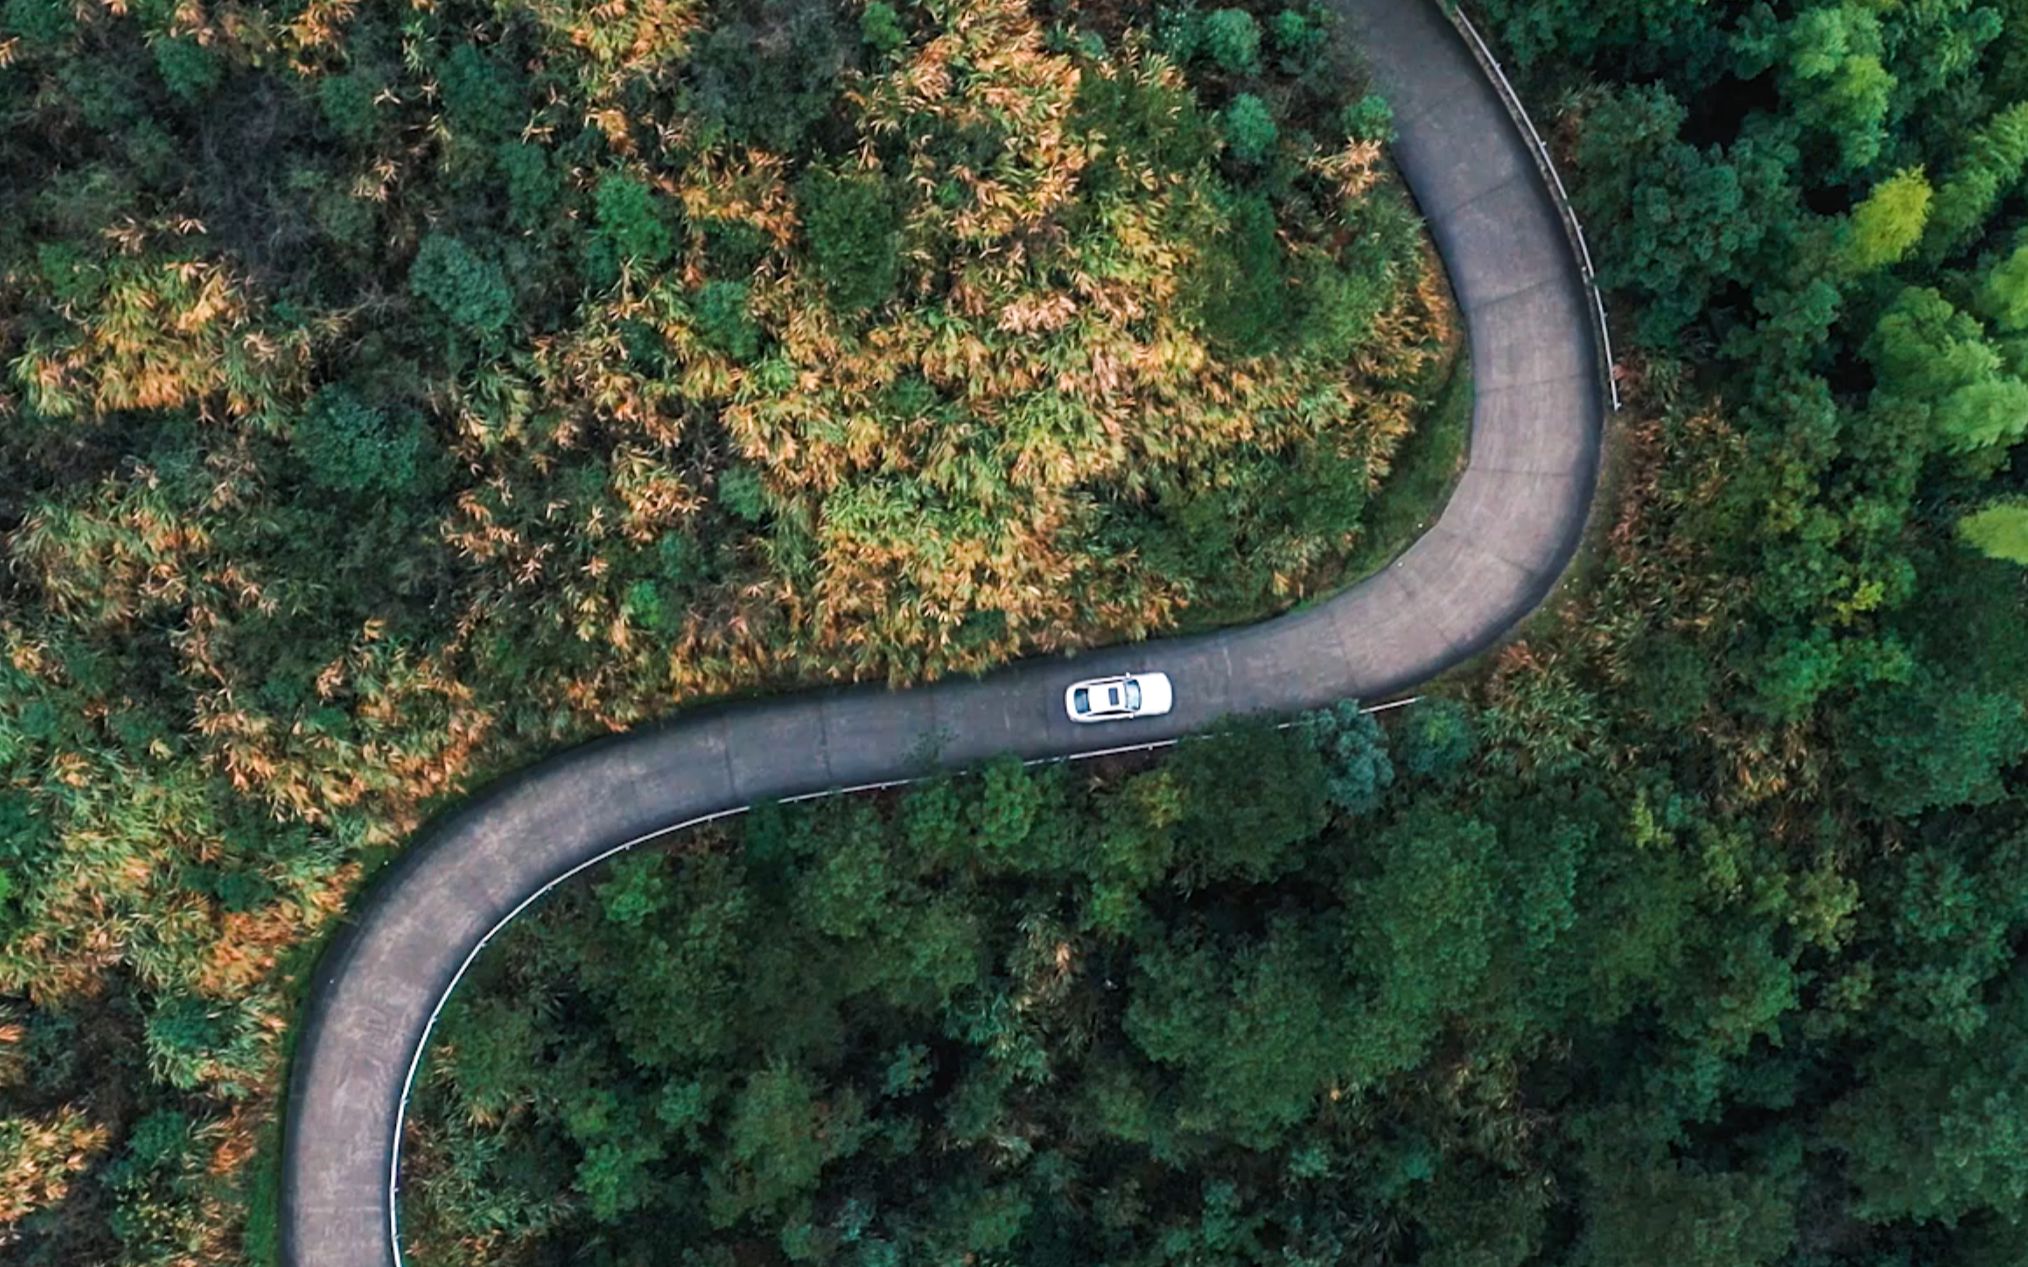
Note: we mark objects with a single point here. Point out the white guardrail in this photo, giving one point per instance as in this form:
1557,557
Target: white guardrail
1491,65
416,1057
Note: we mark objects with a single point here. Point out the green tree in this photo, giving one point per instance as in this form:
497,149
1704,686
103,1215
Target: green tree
743,492
1369,119
348,446
534,188
768,71
41,24
631,220
854,228
1888,222
1437,737
1231,38
847,890
1987,414
1940,934
468,289
1676,220
783,1130
1721,1219
1992,162
1299,39
481,95
1257,1030
1249,128
881,27
615,1173
189,69
1475,1215
1933,743
1936,357
348,105
1254,795
725,322
1354,749
1998,531
1424,927
1935,1130
668,979
1834,80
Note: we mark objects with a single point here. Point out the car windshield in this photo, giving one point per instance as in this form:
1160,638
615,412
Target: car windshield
1133,695
1082,698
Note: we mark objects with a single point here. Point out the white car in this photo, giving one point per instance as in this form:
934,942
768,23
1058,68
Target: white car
1118,698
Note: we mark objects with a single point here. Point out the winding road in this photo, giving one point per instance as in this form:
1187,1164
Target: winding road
1509,529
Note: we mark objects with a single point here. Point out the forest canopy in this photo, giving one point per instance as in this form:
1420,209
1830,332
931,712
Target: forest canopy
773,337
1687,928
393,392
1330,994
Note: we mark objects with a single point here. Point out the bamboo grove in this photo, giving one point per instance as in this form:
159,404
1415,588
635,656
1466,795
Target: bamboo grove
393,391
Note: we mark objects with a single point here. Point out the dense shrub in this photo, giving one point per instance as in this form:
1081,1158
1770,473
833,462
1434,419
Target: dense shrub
1249,128
465,287
1242,286
1231,39
349,446
853,226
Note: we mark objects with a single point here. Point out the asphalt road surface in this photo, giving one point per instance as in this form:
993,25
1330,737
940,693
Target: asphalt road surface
1493,554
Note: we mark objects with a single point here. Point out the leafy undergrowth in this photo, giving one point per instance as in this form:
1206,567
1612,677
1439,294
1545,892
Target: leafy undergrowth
1419,478
1425,470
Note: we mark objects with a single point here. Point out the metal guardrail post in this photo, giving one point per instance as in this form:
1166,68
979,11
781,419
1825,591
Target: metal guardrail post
1483,54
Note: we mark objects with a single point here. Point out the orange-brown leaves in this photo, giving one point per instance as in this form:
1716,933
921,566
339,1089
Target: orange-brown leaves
40,1156
1010,88
1354,169
746,186
616,40
163,332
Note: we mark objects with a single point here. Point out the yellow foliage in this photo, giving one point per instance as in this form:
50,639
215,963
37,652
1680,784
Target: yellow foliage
746,186
164,334
40,1156
1041,331
615,40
